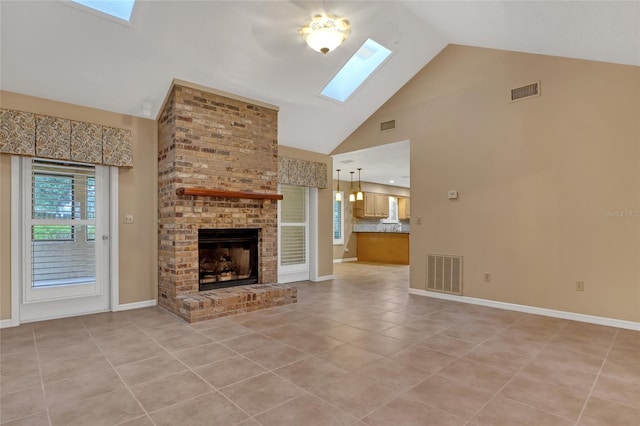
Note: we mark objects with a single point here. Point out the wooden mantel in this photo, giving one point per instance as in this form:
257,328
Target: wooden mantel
227,194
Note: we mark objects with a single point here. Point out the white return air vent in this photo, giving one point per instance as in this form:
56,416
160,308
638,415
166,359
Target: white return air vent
388,126
525,92
444,273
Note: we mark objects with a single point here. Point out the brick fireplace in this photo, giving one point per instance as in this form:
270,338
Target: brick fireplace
207,141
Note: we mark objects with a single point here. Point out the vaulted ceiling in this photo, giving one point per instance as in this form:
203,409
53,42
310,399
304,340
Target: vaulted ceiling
252,49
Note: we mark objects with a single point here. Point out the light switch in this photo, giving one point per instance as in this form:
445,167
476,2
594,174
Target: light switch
128,218
453,195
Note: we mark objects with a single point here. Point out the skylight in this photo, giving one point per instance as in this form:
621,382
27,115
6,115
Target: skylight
356,71
120,9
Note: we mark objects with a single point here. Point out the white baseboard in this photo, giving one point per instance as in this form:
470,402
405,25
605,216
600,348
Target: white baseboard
592,319
323,278
8,323
346,259
137,305
127,306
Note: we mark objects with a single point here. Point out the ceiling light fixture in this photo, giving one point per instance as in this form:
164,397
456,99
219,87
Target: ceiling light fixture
325,32
359,194
352,195
338,193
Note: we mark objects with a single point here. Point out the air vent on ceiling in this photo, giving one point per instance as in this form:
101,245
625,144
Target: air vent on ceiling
388,125
525,92
444,273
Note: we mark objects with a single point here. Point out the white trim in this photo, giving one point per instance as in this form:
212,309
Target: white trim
346,259
323,278
7,323
138,305
125,307
313,233
293,277
54,317
573,316
114,260
16,246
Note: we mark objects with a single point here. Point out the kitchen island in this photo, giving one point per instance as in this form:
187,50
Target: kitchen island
383,247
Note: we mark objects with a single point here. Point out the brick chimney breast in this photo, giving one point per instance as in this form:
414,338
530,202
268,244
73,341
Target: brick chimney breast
211,141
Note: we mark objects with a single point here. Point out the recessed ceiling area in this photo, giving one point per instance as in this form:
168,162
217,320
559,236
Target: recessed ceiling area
254,49
381,164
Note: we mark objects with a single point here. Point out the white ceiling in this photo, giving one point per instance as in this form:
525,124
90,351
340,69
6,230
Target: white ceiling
252,49
381,164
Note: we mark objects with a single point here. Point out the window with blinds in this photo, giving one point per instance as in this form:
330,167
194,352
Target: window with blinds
293,225
338,220
63,213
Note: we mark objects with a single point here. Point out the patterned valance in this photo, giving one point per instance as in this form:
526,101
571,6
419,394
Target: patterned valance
25,133
292,171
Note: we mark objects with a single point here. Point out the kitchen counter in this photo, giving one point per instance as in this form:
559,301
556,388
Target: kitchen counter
381,232
383,247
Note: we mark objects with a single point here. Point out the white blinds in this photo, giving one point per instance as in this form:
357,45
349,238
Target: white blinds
293,225
63,212
338,220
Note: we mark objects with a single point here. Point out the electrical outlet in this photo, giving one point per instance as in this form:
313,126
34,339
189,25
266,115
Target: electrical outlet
128,219
419,220
487,277
579,285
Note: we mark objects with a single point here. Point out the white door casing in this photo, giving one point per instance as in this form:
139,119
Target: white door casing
75,279
293,234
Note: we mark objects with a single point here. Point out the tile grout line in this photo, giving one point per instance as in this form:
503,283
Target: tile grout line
511,379
215,389
44,392
118,373
272,371
595,382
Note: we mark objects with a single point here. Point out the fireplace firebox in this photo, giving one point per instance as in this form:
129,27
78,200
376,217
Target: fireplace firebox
227,257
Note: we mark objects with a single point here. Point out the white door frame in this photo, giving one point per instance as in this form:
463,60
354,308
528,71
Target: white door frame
17,243
313,234
312,255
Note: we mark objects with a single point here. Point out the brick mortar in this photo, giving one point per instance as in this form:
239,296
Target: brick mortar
210,141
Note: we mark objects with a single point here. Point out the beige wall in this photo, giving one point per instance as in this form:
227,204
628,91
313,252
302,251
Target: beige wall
325,208
537,178
137,195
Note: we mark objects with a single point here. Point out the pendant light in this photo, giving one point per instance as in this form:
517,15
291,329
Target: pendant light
338,193
359,195
352,195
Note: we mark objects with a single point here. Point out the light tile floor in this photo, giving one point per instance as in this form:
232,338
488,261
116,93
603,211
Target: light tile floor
357,350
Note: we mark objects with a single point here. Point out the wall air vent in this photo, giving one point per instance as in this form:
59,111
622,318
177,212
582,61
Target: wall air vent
388,125
444,273
525,92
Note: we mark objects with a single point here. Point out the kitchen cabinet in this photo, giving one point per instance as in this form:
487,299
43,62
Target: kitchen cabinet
372,206
383,247
404,207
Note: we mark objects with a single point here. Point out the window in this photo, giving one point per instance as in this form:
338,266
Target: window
120,9
52,199
393,211
57,194
91,207
356,71
62,223
293,225
338,220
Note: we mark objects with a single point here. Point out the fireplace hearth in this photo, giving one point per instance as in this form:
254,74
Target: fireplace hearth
227,257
